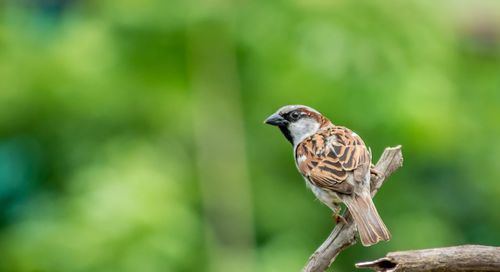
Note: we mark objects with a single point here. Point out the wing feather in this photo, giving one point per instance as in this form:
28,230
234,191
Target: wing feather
330,156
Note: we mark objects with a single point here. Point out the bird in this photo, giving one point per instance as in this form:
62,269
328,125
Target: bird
336,166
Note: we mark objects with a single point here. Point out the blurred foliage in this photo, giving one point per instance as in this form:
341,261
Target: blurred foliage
116,118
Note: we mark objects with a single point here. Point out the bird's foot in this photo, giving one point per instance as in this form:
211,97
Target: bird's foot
337,218
340,219
375,172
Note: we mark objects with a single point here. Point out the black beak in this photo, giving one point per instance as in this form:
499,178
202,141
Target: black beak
276,120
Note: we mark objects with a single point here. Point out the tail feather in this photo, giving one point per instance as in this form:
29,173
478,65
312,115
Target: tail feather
371,228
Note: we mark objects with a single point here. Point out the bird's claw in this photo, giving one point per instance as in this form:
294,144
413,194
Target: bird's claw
340,219
337,217
375,172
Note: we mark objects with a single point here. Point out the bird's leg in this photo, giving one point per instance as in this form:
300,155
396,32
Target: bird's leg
336,215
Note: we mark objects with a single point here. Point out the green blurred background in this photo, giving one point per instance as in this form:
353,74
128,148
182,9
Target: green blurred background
131,135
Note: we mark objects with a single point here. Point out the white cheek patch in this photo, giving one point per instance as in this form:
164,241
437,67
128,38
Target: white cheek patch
302,129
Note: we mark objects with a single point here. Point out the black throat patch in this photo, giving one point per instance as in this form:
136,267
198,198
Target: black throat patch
287,134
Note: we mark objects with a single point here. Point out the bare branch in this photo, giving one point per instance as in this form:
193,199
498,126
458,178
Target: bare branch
448,259
344,235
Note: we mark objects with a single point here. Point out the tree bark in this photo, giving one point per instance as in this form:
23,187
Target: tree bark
344,234
448,259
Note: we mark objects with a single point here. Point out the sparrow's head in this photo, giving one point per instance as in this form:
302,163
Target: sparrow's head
297,122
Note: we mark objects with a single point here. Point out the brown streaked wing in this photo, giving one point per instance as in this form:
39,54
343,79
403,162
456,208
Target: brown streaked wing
353,150
329,162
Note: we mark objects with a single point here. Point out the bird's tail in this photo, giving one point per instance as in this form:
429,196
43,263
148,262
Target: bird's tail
371,228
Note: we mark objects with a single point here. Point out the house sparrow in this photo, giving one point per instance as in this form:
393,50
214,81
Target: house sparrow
335,164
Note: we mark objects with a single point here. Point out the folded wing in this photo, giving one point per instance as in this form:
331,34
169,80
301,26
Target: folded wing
328,158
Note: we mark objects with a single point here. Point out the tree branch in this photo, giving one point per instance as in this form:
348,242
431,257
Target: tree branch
447,259
343,235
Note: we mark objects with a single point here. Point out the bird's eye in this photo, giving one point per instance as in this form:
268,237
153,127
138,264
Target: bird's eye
294,115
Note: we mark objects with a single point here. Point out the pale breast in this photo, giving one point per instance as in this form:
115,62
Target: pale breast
329,198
